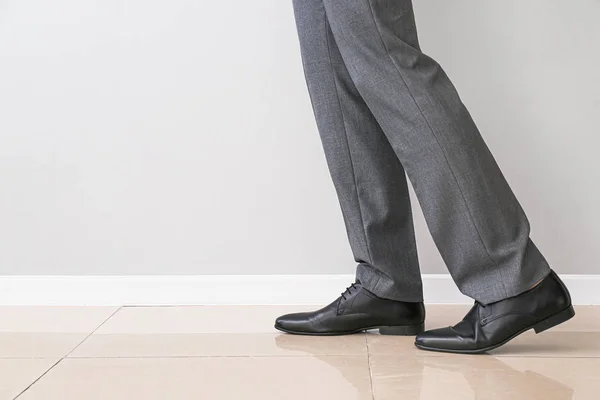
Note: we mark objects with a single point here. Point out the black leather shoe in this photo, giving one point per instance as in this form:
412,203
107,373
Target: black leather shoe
486,327
357,310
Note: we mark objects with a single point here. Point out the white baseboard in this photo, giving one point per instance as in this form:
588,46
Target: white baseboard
226,290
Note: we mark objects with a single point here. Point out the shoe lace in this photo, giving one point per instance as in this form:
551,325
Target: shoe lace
349,290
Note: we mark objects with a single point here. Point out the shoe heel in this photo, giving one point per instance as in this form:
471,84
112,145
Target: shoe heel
407,330
554,320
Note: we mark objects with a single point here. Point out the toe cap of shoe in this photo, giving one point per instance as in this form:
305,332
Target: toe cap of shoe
441,338
292,322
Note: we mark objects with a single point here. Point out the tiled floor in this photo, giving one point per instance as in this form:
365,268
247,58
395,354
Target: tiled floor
234,353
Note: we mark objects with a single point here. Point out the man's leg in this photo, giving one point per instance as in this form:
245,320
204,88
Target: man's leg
368,177
475,220
372,191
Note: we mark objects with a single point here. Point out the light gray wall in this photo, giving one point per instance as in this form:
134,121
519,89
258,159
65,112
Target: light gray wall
152,137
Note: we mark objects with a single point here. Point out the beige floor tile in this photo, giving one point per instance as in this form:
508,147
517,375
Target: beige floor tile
53,319
484,377
586,319
217,344
201,319
554,343
38,345
36,332
399,345
326,377
207,331
17,374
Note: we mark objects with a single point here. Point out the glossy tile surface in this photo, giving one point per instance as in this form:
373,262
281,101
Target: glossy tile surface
234,353
207,331
35,332
53,319
38,345
201,319
586,319
17,374
552,344
484,377
217,344
290,378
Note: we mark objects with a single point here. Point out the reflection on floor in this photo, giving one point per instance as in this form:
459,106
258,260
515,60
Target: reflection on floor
218,353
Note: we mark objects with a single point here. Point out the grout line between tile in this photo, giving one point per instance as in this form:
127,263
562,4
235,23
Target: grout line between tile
38,378
72,350
285,356
369,365
28,358
213,356
91,333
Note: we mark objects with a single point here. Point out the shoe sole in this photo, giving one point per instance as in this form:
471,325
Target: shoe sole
405,330
539,327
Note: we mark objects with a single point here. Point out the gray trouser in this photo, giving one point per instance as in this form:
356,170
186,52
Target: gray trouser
384,108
